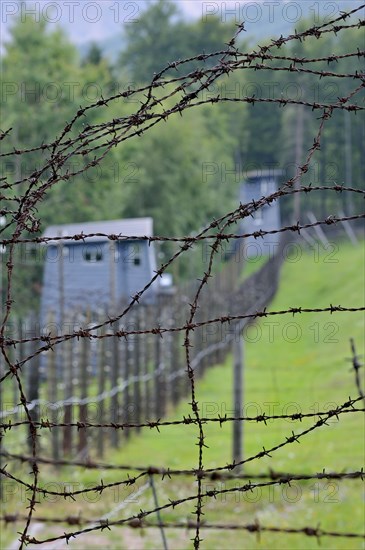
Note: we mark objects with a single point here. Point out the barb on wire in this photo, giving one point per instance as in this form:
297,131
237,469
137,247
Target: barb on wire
198,473
164,97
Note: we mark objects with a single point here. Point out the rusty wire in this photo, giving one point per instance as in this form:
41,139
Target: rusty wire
356,366
98,140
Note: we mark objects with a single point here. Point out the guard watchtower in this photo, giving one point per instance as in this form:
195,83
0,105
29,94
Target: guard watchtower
258,184
95,272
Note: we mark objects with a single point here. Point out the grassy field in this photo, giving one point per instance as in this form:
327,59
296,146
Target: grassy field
292,364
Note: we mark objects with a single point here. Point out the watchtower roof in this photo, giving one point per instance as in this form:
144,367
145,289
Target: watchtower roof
267,173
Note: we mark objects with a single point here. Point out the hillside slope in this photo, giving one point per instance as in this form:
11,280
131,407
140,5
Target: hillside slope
293,365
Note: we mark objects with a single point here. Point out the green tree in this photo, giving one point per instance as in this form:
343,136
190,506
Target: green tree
43,86
163,36
183,170
94,55
36,66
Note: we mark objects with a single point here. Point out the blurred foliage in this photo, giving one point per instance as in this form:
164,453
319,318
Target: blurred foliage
162,36
187,171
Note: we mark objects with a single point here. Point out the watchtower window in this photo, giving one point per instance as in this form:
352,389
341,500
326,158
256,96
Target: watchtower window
135,254
93,255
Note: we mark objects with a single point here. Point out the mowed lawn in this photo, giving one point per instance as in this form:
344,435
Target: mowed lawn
292,364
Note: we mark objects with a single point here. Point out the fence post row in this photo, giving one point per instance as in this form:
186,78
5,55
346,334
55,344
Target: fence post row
136,378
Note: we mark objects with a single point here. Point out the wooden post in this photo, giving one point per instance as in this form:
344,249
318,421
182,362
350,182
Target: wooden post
175,366
114,402
101,389
112,275
52,394
298,159
348,162
163,360
68,393
147,363
237,396
33,378
157,365
84,359
222,299
61,283
157,376
137,371
142,342
128,373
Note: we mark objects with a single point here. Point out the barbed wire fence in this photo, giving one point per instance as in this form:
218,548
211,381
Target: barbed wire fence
21,210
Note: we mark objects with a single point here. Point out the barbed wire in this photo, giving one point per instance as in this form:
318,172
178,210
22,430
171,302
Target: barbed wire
160,330
98,140
250,527
200,473
139,519
87,333
45,423
356,366
152,238
255,527
226,220
211,74
168,472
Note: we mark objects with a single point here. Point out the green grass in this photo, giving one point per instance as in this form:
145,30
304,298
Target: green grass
252,265
292,364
